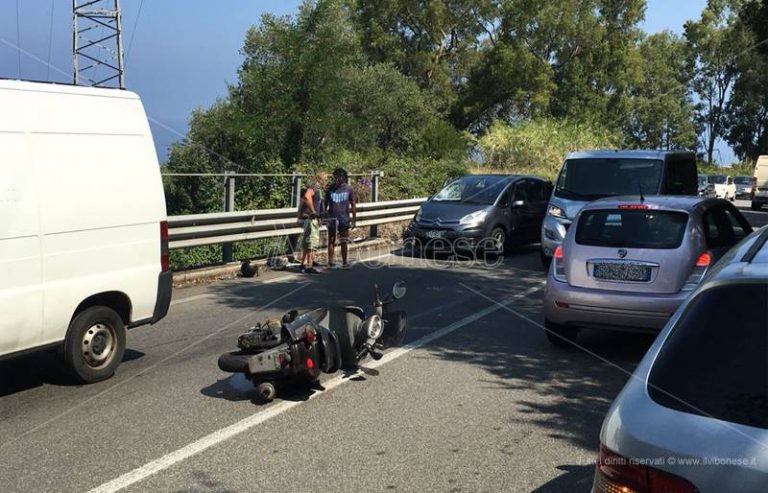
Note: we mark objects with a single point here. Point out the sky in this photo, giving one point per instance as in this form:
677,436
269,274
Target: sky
180,54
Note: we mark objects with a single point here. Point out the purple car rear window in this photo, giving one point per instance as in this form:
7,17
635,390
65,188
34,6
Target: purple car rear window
631,228
715,362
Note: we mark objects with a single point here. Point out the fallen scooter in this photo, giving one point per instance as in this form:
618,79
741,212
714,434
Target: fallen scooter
298,348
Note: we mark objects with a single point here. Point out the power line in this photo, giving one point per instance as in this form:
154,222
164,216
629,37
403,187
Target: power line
133,32
50,43
18,36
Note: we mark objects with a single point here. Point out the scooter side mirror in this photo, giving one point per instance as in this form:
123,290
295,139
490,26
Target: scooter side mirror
399,290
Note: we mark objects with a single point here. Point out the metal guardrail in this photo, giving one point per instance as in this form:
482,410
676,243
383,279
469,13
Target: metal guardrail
225,227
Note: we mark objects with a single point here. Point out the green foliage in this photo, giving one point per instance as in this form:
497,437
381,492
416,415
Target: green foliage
407,86
662,108
716,42
538,147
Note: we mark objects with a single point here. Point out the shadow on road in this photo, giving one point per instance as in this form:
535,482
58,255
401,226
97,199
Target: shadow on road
566,391
575,479
41,368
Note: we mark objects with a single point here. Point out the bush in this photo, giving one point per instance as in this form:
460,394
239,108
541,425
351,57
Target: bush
539,147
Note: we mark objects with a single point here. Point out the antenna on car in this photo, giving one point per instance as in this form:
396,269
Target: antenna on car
642,198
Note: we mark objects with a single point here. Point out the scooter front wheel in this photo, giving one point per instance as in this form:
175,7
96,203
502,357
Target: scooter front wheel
266,391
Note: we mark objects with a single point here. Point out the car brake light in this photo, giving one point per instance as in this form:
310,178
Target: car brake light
704,260
165,255
633,207
699,270
558,264
617,474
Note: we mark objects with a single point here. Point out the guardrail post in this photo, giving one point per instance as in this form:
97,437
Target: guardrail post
229,206
375,175
295,189
293,240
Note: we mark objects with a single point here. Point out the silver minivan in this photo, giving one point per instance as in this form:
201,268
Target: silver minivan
588,176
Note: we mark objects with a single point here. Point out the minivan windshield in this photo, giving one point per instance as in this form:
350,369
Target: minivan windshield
717,179
593,178
743,180
473,190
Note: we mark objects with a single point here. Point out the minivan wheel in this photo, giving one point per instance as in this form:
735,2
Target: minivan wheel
499,237
95,344
560,335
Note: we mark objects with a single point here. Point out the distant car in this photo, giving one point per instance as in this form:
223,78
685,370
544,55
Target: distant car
706,189
590,175
693,417
628,263
743,186
482,211
760,184
725,188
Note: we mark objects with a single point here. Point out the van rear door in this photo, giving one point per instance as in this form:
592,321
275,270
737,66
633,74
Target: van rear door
21,299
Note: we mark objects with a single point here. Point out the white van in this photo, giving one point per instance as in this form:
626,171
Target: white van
760,184
83,231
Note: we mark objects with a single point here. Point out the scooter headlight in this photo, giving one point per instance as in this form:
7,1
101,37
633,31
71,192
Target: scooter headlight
374,327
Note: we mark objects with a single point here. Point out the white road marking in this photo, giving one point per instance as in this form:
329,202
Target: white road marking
217,437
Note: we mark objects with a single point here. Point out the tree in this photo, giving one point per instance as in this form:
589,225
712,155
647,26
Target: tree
662,107
716,42
746,114
434,42
564,58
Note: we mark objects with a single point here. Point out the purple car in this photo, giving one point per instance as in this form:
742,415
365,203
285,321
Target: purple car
629,262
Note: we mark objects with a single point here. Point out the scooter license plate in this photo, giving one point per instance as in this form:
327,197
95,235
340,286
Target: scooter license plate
264,362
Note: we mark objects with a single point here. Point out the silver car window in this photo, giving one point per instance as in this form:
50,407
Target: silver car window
715,362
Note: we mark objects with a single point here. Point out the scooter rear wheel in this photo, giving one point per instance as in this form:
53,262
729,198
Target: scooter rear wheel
266,391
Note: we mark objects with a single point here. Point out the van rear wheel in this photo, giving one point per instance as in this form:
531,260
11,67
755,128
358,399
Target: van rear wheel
95,344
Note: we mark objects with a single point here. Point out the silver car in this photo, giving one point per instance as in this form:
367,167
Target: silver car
694,415
627,263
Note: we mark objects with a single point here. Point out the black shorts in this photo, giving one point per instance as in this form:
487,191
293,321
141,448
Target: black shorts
335,226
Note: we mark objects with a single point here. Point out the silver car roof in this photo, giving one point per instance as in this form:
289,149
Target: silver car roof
745,262
641,154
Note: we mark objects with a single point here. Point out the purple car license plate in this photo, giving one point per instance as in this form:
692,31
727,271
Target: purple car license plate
622,272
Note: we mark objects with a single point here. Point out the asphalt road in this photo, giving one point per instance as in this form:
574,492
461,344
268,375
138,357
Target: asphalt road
477,400
757,219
